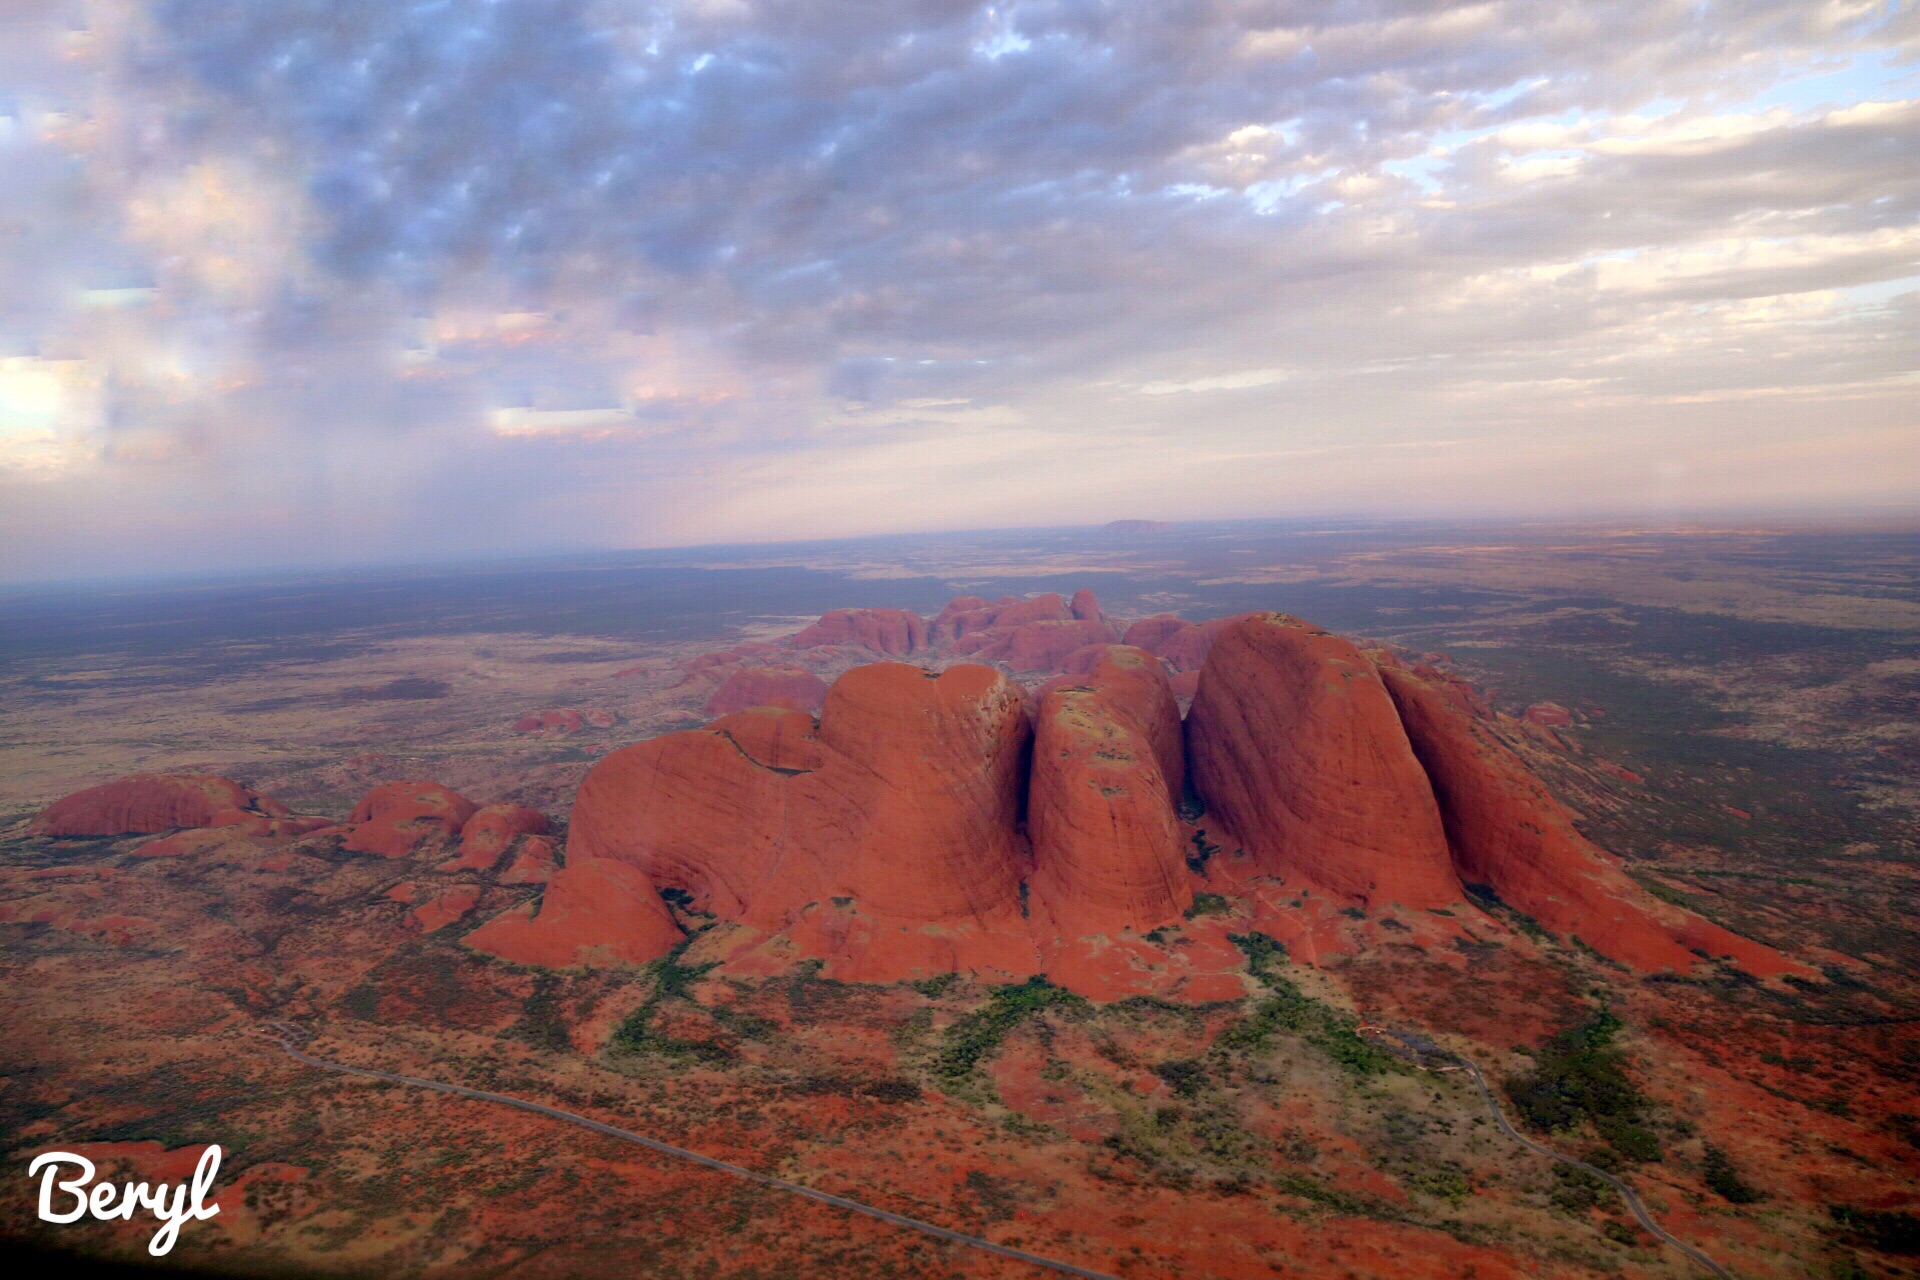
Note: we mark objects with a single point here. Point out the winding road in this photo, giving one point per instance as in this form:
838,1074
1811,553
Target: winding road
283,1037
1632,1198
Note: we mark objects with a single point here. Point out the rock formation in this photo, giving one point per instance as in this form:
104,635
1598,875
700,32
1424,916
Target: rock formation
1151,633
793,687
893,633
922,824
594,911
884,841
1296,747
397,818
1509,833
1106,779
491,831
148,802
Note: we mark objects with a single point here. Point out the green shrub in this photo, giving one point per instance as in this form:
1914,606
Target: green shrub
1581,1076
1324,1027
1186,1076
1208,904
1725,1181
977,1035
1888,1230
1260,951
1575,1190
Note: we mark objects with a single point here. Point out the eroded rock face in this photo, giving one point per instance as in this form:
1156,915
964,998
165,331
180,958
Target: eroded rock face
1106,838
594,911
147,802
894,633
491,831
1151,633
794,688
1036,646
884,840
1295,743
397,818
1507,831
1187,648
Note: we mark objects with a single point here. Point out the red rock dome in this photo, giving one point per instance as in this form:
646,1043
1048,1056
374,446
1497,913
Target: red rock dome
147,802
396,818
1296,745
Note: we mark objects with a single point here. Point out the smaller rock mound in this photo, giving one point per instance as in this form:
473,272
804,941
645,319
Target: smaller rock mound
491,831
892,633
594,911
397,818
149,802
794,688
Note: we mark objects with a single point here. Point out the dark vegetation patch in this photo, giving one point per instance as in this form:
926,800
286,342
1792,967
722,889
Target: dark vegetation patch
404,689
541,1024
977,1036
1887,1230
1725,1181
1580,1078
638,1034
1321,1025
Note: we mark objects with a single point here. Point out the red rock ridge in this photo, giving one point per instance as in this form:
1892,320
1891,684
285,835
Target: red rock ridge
148,802
1507,831
1296,747
1106,837
894,633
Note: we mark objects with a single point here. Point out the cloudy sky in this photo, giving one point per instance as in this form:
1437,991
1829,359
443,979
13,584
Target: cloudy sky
297,281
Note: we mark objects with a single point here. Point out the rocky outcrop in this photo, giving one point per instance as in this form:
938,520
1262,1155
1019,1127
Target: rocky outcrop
396,819
1037,646
1187,648
594,911
795,688
149,802
1106,779
1547,714
893,633
1296,746
884,840
1507,832
533,863
491,831
1028,635
1151,633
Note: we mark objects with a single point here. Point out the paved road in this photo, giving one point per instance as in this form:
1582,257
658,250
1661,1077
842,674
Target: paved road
1633,1200
285,1041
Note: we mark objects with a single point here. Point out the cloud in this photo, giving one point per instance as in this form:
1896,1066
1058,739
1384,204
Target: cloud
374,280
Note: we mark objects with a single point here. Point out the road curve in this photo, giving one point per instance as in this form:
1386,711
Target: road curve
681,1153
1633,1199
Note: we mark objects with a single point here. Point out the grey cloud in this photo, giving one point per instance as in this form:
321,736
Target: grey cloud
766,232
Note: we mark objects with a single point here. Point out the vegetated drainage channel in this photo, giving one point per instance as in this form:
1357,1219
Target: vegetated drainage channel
1633,1199
681,1153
